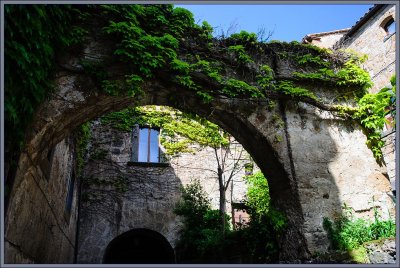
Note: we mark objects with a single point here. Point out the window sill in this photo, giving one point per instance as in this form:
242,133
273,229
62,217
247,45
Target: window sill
388,36
148,164
387,133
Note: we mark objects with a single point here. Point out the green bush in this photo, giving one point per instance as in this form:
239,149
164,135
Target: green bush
201,234
348,233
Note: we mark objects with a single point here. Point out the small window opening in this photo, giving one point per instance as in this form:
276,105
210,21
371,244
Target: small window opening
390,26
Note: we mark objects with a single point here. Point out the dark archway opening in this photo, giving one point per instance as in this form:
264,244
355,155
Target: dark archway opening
139,246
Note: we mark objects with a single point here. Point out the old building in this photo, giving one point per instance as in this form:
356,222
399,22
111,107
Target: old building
130,184
315,161
373,35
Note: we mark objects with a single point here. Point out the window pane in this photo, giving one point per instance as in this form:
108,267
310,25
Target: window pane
391,28
154,145
143,144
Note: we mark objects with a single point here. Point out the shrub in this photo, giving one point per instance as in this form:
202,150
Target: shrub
348,233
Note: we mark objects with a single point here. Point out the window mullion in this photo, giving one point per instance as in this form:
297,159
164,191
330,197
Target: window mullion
148,144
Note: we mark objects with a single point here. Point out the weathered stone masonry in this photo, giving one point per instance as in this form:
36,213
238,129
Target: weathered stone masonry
146,196
369,37
314,163
41,230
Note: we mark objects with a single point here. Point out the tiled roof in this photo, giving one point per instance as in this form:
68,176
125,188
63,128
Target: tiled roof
312,36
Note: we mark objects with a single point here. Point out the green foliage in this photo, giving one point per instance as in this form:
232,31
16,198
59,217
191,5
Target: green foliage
32,35
240,53
372,109
82,140
353,75
266,223
202,240
236,88
288,88
148,38
348,233
179,130
211,69
309,59
257,196
207,31
350,75
265,77
258,202
244,37
202,225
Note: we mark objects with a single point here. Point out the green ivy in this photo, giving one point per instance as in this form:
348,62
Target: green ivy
309,59
353,75
202,240
241,55
258,202
179,130
147,39
83,136
266,77
244,37
32,35
236,88
287,87
372,109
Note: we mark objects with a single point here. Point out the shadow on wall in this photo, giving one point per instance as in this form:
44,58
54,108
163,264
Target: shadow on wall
312,166
139,246
333,168
119,195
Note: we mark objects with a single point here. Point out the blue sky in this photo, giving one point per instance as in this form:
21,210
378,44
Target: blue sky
288,22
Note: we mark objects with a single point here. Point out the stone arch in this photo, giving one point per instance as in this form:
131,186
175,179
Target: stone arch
79,97
139,246
77,100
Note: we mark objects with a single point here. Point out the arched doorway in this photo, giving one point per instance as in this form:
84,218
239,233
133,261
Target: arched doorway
139,246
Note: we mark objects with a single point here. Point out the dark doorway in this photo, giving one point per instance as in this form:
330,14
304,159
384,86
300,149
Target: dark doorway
139,246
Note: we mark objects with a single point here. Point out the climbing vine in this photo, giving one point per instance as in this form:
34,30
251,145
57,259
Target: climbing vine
32,35
371,113
179,130
160,39
82,140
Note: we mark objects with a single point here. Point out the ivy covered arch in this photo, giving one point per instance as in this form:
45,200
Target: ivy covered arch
117,56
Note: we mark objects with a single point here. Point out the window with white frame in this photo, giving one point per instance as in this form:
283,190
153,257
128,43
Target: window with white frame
145,144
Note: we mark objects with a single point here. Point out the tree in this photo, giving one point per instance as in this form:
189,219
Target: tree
179,131
225,173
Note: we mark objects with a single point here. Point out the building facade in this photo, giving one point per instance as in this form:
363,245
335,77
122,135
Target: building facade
130,184
373,35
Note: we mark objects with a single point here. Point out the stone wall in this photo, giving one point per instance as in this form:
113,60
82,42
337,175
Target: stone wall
389,157
332,167
42,210
119,195
314,162
371,39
